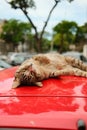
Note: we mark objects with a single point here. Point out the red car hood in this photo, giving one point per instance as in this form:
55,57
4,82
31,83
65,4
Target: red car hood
60,103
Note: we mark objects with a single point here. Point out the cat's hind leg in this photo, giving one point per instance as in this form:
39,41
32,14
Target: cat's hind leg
69,71
76,63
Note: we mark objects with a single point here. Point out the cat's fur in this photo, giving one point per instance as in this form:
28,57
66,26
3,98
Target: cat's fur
43,66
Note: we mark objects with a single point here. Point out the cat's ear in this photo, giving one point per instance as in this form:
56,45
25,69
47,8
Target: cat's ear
16,83
39,84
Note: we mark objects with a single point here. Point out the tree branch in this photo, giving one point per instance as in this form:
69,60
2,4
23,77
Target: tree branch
34,27
49,15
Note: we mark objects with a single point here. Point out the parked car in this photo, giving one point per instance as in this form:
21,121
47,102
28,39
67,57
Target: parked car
3,57
4,64
75,54
17,58
61,104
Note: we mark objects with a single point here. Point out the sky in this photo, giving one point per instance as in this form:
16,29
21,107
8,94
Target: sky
74,11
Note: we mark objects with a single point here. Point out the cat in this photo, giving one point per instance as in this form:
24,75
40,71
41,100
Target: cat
43,66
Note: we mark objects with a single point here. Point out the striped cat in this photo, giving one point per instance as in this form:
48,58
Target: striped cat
44,66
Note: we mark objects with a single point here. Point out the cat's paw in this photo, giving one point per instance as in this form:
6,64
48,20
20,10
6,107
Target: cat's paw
15,84
39,84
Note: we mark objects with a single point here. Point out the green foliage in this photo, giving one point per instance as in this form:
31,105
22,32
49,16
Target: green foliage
81,34
66,27
84,27
22,4
57,42
79,37
15,31
64,34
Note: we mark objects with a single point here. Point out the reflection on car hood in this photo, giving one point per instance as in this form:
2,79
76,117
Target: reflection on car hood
59,103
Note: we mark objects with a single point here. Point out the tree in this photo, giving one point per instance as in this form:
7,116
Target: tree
85,31
64,34
23,5
81,35
15,31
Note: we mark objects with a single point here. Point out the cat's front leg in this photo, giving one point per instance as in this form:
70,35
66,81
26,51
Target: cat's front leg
54,73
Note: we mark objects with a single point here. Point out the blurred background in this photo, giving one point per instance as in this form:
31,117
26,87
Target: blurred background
28,27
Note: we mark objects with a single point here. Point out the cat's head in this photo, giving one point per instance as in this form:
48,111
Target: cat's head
27,75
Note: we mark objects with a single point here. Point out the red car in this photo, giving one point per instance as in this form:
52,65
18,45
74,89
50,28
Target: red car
60,104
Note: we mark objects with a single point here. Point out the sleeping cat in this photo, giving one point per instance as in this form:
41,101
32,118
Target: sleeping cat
44,66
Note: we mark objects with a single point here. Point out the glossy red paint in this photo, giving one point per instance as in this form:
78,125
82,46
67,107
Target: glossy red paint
59,104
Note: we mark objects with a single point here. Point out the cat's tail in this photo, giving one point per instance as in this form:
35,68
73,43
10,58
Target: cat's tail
76,63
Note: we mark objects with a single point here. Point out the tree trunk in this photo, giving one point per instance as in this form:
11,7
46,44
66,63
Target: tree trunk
38,44
61,43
